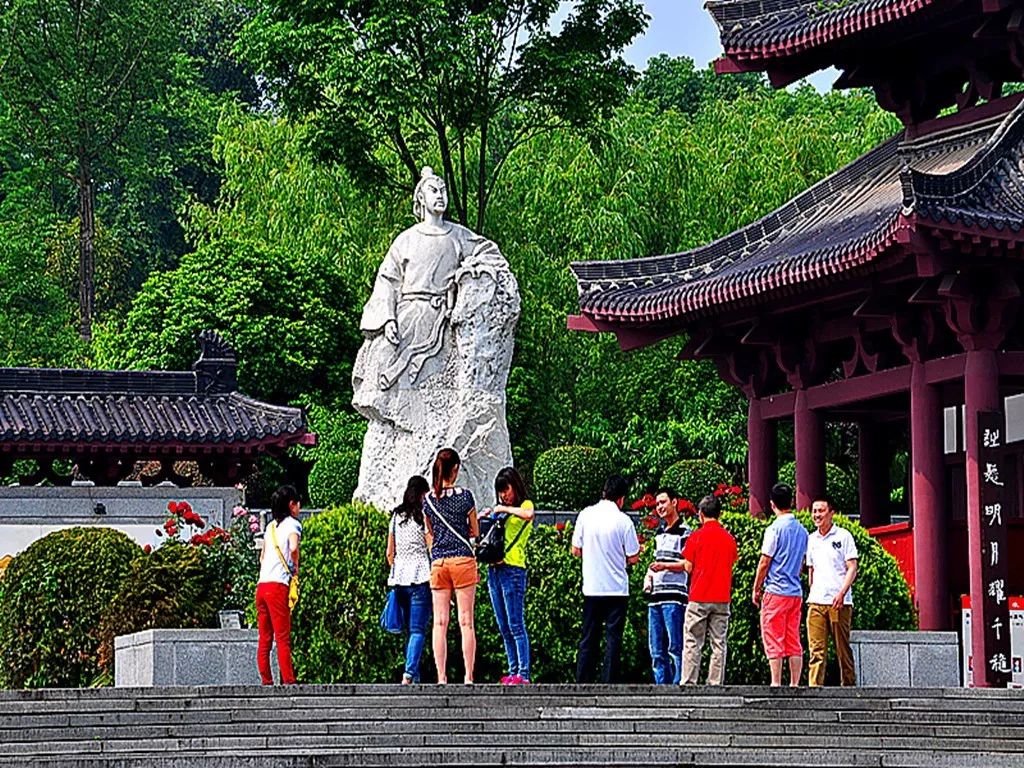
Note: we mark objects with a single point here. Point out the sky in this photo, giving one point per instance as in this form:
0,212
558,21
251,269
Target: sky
678,28
684,28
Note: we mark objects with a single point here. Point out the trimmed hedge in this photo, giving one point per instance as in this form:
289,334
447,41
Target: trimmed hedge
839,485
570,476
337,638
694,479
333,479
52,596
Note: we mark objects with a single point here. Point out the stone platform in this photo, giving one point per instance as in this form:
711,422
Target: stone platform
167,657
378,725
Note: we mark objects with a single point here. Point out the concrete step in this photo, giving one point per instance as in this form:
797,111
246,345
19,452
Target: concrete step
312,726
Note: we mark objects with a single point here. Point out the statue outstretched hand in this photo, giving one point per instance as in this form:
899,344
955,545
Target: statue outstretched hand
391,332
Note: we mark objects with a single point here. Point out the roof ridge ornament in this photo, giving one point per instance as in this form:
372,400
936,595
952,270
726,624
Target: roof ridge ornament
217,367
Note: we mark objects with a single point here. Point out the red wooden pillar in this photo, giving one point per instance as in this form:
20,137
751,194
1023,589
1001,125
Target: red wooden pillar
873,476
809,439
927,500
981,393
762,457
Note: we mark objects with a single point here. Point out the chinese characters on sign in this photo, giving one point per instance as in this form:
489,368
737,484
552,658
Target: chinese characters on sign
996,499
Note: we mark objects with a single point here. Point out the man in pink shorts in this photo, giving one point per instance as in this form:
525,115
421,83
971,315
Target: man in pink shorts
778,572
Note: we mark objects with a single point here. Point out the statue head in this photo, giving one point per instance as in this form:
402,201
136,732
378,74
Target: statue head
431,195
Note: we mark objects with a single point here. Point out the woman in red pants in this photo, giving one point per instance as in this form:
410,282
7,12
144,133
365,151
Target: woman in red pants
279,560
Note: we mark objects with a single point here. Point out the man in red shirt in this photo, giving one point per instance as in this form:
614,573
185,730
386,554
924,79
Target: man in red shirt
709,556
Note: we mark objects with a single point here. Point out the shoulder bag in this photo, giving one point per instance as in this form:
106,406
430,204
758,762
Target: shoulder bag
450,527
491,548
293,582
392,618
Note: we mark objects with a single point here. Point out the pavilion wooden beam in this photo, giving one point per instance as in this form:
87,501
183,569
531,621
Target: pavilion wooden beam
893,381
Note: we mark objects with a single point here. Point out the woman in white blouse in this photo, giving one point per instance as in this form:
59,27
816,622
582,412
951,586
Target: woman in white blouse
410,572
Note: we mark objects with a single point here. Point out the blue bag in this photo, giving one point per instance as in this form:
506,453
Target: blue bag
391,618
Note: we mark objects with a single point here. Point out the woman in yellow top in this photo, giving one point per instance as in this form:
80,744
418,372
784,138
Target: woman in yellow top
506,581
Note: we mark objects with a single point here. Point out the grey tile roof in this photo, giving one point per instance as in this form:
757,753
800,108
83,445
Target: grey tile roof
963,175
192,410
776,28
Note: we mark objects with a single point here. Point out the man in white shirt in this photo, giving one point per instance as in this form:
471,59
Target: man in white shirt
832,567
606,540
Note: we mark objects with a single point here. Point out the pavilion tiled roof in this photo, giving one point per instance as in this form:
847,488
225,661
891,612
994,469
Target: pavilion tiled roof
779,28
191,410
964,176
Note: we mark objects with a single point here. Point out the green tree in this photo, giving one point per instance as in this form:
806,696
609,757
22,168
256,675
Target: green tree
84,81
674,82
464,81
274,269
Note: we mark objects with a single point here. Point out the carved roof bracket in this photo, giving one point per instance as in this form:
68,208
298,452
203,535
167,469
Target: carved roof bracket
799,361
980,310
864,353
747,370
914,330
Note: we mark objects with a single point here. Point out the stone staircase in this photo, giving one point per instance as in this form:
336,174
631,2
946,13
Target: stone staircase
378,725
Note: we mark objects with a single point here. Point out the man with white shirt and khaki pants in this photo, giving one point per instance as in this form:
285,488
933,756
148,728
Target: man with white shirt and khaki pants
832,567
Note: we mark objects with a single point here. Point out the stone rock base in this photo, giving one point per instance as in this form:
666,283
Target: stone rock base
906,659
159,657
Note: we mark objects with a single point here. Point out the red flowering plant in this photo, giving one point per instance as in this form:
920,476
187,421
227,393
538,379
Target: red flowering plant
229,558
647,517
731,497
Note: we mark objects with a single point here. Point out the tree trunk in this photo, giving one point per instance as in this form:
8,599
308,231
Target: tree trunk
86,247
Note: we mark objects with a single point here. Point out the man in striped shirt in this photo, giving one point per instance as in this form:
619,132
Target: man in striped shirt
666,588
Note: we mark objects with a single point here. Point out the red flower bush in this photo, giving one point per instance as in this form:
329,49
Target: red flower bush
732,497
647,501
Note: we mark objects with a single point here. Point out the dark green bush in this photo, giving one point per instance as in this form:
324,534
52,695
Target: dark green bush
570,476
332,480
694,479
51,599
185,583
337,638
165,589
335,632
880,594
839,485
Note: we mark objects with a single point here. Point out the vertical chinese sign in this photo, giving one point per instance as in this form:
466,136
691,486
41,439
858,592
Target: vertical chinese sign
996,501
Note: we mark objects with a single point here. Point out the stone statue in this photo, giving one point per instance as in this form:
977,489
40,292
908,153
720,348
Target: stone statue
432,371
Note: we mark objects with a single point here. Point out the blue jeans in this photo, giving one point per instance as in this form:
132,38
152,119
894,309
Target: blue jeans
415,600
665,633
507,585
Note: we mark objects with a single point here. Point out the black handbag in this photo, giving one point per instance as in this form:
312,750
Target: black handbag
490,547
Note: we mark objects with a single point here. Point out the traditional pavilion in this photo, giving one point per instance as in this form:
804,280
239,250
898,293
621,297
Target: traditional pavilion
103,422
886,295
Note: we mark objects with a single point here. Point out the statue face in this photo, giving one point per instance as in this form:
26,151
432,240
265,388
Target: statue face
434,196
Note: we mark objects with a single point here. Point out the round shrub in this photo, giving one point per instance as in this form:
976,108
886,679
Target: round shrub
694,479
880,594
570,476
333,479
839,485
51,599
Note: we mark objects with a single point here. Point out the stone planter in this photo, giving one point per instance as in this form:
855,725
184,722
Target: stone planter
158,657
906,659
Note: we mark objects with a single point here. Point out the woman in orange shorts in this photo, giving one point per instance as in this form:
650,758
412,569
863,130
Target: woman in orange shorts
450,514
